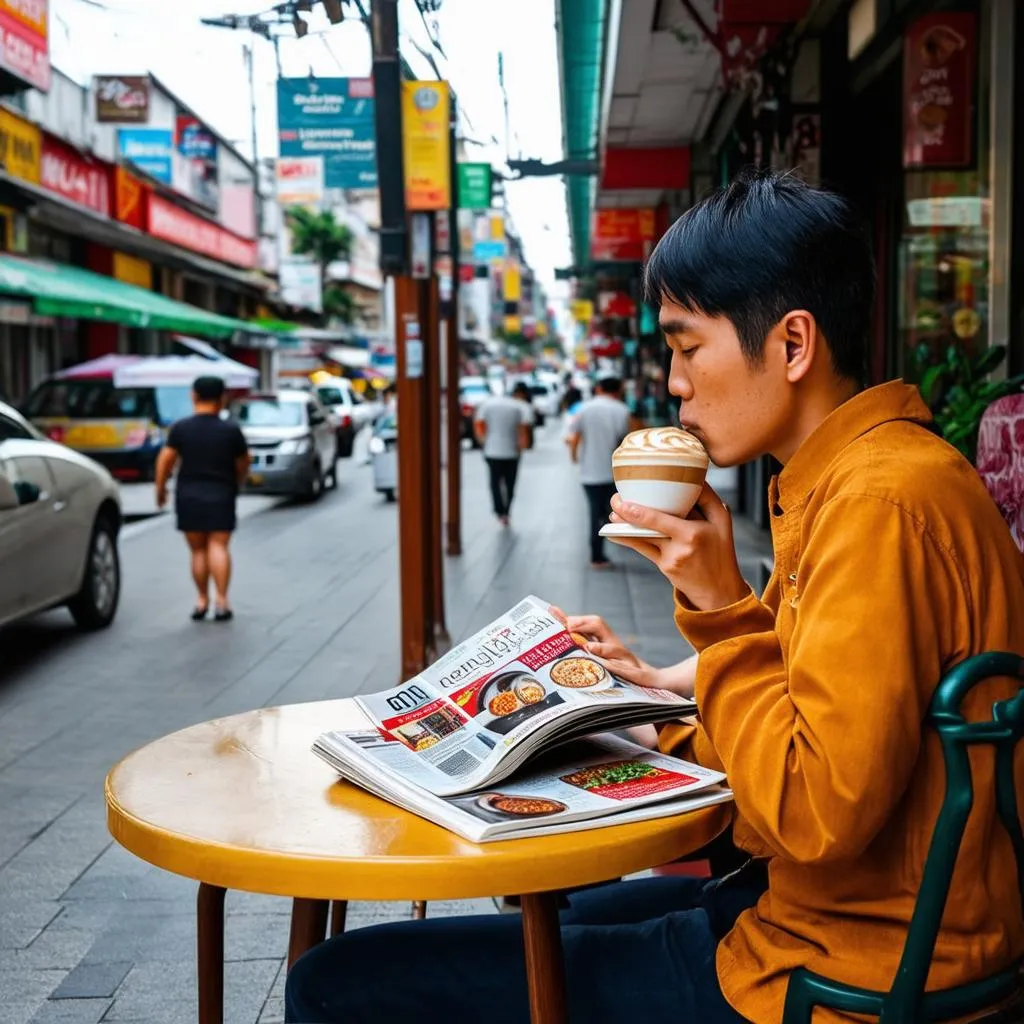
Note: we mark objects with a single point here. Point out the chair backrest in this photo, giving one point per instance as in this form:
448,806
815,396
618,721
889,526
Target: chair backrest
1003,731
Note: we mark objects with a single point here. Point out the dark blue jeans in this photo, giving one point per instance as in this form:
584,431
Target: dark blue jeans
634,951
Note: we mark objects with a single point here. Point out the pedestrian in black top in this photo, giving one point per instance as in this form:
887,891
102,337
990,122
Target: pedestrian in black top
214,461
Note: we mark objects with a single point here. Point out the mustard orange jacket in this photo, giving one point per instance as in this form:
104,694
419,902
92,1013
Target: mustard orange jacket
892,564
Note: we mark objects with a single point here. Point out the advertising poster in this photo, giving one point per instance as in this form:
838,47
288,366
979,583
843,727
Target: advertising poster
474,186
148,149
938,91
425,146
300,180
332,118
621,234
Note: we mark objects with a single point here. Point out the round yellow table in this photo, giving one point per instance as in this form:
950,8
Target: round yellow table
243,803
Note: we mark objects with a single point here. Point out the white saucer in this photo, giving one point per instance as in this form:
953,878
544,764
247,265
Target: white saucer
614,530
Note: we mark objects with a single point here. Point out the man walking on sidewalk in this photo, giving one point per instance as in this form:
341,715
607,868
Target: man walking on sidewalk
601,425
502,426
214,460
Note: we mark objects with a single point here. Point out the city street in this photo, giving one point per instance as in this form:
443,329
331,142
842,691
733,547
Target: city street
89,933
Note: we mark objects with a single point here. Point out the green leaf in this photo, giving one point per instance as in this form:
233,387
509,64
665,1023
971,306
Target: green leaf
989,360
933,375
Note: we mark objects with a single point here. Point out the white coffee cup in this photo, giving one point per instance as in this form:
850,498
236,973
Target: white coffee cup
662,468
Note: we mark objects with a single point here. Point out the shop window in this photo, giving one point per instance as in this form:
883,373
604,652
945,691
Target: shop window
943,268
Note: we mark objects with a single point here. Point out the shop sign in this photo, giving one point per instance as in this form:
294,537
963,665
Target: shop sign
20,143
65,171
474,186
133,270
938,90
512,281
582,310
300,180
426,134
301,284
148,149
196,161
947,212
122,99
178,226
332,118
24,43
129,195
622,234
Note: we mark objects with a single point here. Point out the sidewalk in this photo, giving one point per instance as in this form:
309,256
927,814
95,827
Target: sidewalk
89,933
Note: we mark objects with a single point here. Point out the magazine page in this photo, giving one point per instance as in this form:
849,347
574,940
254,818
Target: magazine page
601,780
487,705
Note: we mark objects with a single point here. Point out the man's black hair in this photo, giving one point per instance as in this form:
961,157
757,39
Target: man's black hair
521,388
766,244
208,389
610,385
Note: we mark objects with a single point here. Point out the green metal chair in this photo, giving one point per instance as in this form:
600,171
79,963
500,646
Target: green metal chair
907,1002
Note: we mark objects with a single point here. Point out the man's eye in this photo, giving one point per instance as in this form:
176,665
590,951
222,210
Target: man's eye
688,351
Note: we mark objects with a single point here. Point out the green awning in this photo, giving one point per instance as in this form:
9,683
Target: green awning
58,289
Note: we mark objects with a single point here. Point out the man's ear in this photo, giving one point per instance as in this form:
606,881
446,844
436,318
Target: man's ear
798,332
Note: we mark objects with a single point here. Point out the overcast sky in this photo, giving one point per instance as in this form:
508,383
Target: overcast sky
205,67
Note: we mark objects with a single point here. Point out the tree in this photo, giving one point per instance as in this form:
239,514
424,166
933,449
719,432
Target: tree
316,233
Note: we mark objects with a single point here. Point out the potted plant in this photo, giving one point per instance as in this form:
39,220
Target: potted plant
958,391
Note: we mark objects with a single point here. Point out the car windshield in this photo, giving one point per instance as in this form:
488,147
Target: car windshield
331,396
475,387
173,404
538,389
92,399
267,412
389,421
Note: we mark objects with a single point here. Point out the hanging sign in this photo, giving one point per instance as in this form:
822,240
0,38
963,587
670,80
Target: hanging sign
426,158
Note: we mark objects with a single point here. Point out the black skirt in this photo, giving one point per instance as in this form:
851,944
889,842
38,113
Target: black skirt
205,515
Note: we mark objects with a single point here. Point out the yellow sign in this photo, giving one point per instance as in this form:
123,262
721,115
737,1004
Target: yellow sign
512,280
542,329
132,270
513,325
582,310
20,143
425,146
497,221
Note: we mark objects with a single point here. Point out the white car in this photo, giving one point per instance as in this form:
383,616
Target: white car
384,456
350,410
60,515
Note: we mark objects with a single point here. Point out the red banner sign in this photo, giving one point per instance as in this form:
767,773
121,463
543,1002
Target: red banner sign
178,226
622,234
938,90
24,47
65,171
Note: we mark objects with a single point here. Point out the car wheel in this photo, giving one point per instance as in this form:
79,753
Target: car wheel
95,605
389,496
315,485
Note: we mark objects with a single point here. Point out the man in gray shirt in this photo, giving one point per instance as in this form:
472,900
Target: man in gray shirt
503,426
599,428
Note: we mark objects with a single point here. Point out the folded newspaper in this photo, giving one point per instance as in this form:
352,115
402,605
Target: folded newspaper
522,689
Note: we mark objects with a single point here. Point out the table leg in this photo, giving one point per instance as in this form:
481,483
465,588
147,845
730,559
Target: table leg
339,910
545,970
210,952
309,927
419,910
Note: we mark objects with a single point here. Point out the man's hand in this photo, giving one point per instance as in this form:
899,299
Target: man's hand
697,555
601,641
161,496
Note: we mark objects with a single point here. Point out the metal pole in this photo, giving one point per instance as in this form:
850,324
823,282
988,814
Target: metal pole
248,50
453,415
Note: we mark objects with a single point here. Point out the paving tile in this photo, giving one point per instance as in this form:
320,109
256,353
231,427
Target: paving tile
21,920
71,1011
92,981
22,992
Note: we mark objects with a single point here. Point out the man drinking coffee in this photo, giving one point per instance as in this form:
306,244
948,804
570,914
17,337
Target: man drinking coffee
891,565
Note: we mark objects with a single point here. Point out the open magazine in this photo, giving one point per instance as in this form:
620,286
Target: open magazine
522,689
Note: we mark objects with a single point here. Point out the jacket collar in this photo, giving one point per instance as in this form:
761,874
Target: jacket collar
854,418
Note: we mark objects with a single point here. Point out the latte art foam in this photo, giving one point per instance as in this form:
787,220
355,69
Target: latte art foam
658,444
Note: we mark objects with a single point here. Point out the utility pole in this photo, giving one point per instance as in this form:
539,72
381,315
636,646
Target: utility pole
415,363
248,51
453,415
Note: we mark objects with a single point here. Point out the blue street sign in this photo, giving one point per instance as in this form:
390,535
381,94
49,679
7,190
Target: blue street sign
332,118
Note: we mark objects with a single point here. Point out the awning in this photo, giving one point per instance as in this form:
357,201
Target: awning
346,355
58,289
181,371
